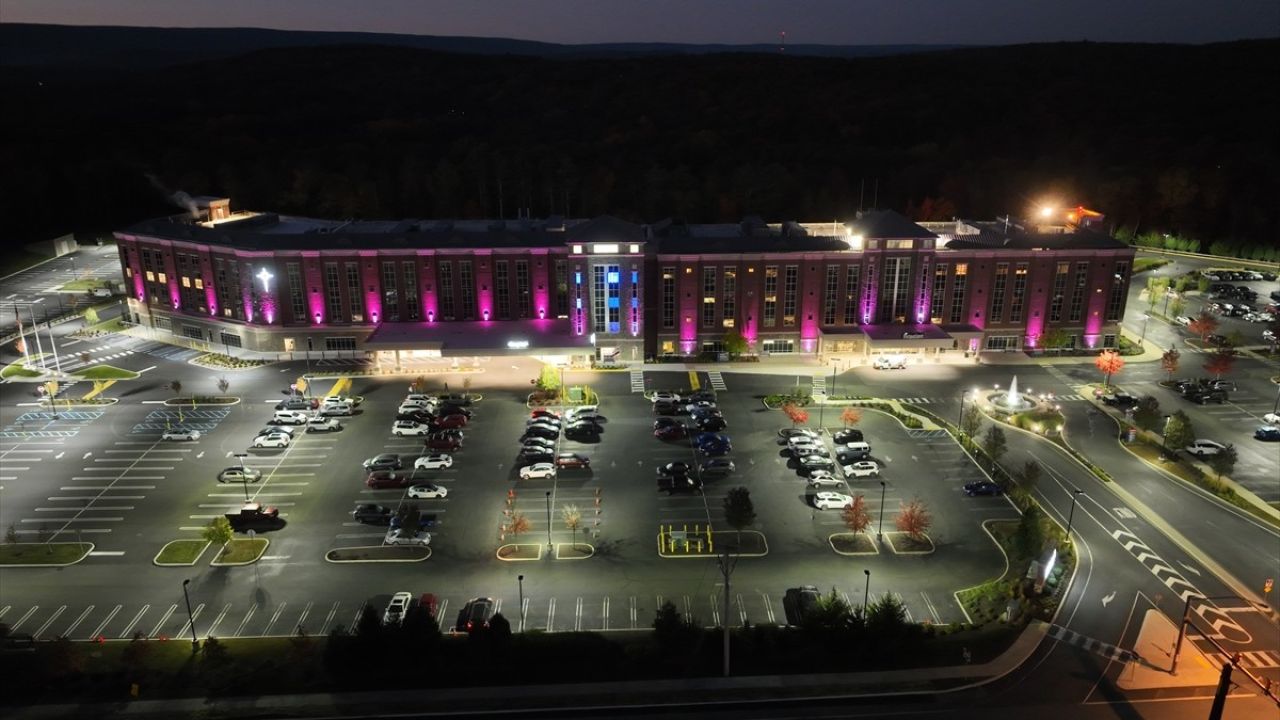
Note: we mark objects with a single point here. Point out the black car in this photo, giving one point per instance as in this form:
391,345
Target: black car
444,410
711,424
1120,399
475,614
667,407
847,436
582,432
372,514
982,487
665,422
540,432
1206,396
455,399
800,602
421,417
385,461
533,457
674,469
698,396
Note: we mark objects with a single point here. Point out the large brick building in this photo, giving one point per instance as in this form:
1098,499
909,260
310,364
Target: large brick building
611,289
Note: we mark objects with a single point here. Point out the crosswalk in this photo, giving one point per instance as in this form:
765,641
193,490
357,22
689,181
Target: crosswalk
1071,637
716,380
819,385
637,380
1073,397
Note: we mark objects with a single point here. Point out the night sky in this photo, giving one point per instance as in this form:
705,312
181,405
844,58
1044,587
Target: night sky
838,22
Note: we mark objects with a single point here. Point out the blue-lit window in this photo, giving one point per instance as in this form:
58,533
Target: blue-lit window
614,277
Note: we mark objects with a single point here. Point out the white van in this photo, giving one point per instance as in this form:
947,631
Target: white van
289,417
857,450
335,408
420,399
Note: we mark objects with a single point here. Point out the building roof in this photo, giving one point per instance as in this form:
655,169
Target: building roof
995,234
886,224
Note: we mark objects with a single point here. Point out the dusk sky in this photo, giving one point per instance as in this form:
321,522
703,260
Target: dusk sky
841,22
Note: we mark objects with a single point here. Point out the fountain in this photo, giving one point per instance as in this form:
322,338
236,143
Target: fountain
1010,401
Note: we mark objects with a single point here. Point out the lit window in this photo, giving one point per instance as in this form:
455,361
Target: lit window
162,278
199,284
605,248
577,249
186,282
688,271
128,272
151,277
635,249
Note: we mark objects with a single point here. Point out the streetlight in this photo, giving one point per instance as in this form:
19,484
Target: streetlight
866,592
549,545
1071,515
520,580
1167,297
191,619
963,397
244,478
880,527
1146,317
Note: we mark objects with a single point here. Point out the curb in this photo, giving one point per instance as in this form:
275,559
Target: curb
156,560
498,553
373,547
77,561
933,547
215,563
875,549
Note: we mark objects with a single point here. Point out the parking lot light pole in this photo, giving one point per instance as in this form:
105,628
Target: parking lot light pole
880,527
520,580
866,592
191,619
1071,515
1146,317
549,545
244,478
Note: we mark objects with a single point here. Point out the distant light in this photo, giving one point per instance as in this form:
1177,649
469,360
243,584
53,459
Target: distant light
1046,212
517,344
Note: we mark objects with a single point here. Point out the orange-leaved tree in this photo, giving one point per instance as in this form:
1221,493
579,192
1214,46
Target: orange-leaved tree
855,515
796,414
913,518
1220,362
1110,363
1204,325
1169,361
851,416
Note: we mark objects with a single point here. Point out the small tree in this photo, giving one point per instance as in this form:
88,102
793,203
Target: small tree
796,414
1147,414
549,379
1177,305
1224,462
850,416
1169,361
176,387
1029,476
913,519
886,616
1029,537
739,511
90,316
218,531
1109,363
1178,431
1220,362
1203,326
223,385
855,515
1053,338
519,524
572,517
971,419
671,629
994,444
734,343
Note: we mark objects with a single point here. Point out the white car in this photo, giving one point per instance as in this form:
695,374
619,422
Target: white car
434,461
1183,320
1202,448
804,451
240,475
428,490
401,536
889,362
861,469
538,471
402,428
665,396
823,478
543,420
412,407
1271,419
803,441
323,424
831,500
573,412
181,434
274,440
397,608
343,399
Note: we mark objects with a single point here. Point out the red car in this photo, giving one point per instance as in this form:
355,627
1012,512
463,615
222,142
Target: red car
387,479
572,460
449,422
671,432
442,442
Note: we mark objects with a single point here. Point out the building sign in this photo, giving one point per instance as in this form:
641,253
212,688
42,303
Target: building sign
517,344
265,276
912,336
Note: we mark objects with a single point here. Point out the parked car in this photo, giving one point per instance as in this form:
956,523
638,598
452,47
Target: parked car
667,407
387,479
711,424
1268,433
717,467
827,500
418,416
1204,448
441,441
530,456
323,424
433,461
848,435
405,428
290,417
371,514
679,483
538,471
475,614
448,422
297,403
671,432
1119,399
408,408
427,490
446,410
715,449
816,462
541,443
665,396
824,479
710,439
538,431
862,469
673,469
181,434
384,461
982,487
572,461
455,399
785,434
1271,418
403,536
584,431
253,516
337,410
240,475
1207,395
544,413
802,451
396,609
274,440
889,362
1223,385
286,429
343,399
799,603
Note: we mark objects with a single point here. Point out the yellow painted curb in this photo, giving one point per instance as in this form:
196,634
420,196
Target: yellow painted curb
98,389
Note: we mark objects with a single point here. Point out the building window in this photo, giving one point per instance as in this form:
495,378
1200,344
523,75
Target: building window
1108,341
562,289
830,296
339,343
997,292
502,289
1059,291
410,272
605,298
1002,342
467,283
390,295
614,280
668,347
1019,292
959,285
708,296
729,309
789,283
778,346
939,292
851,295
1077,293
164,323
231,340
895,291
293,271
523,298
899,244
446,290
770,295
1119,285
332,292
355,299
668,297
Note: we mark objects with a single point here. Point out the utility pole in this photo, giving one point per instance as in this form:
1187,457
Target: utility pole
727,563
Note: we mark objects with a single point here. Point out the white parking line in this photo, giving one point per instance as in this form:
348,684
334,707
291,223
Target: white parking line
97,632
106,487
76,623
155,631
56,498
49,622
95,508
216,621
70,520
551,614
129,628
324,629
276,616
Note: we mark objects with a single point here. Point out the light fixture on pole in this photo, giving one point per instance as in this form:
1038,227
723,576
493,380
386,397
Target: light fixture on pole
1146,317
244,477
191,618
866,592
1071,515
520,580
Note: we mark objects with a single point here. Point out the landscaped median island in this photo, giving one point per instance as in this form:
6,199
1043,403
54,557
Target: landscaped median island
18,369
378,553
15,554
181,553
227,362
241,551
703,542
105,372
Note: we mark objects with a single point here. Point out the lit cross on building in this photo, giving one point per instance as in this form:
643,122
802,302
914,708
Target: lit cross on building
265,276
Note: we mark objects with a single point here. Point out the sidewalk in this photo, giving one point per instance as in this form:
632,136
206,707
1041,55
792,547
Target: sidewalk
599,696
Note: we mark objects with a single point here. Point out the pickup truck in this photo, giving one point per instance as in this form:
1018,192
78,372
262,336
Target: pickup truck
254,516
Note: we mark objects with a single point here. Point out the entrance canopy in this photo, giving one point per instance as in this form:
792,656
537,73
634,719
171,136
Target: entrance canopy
883,338
496,337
